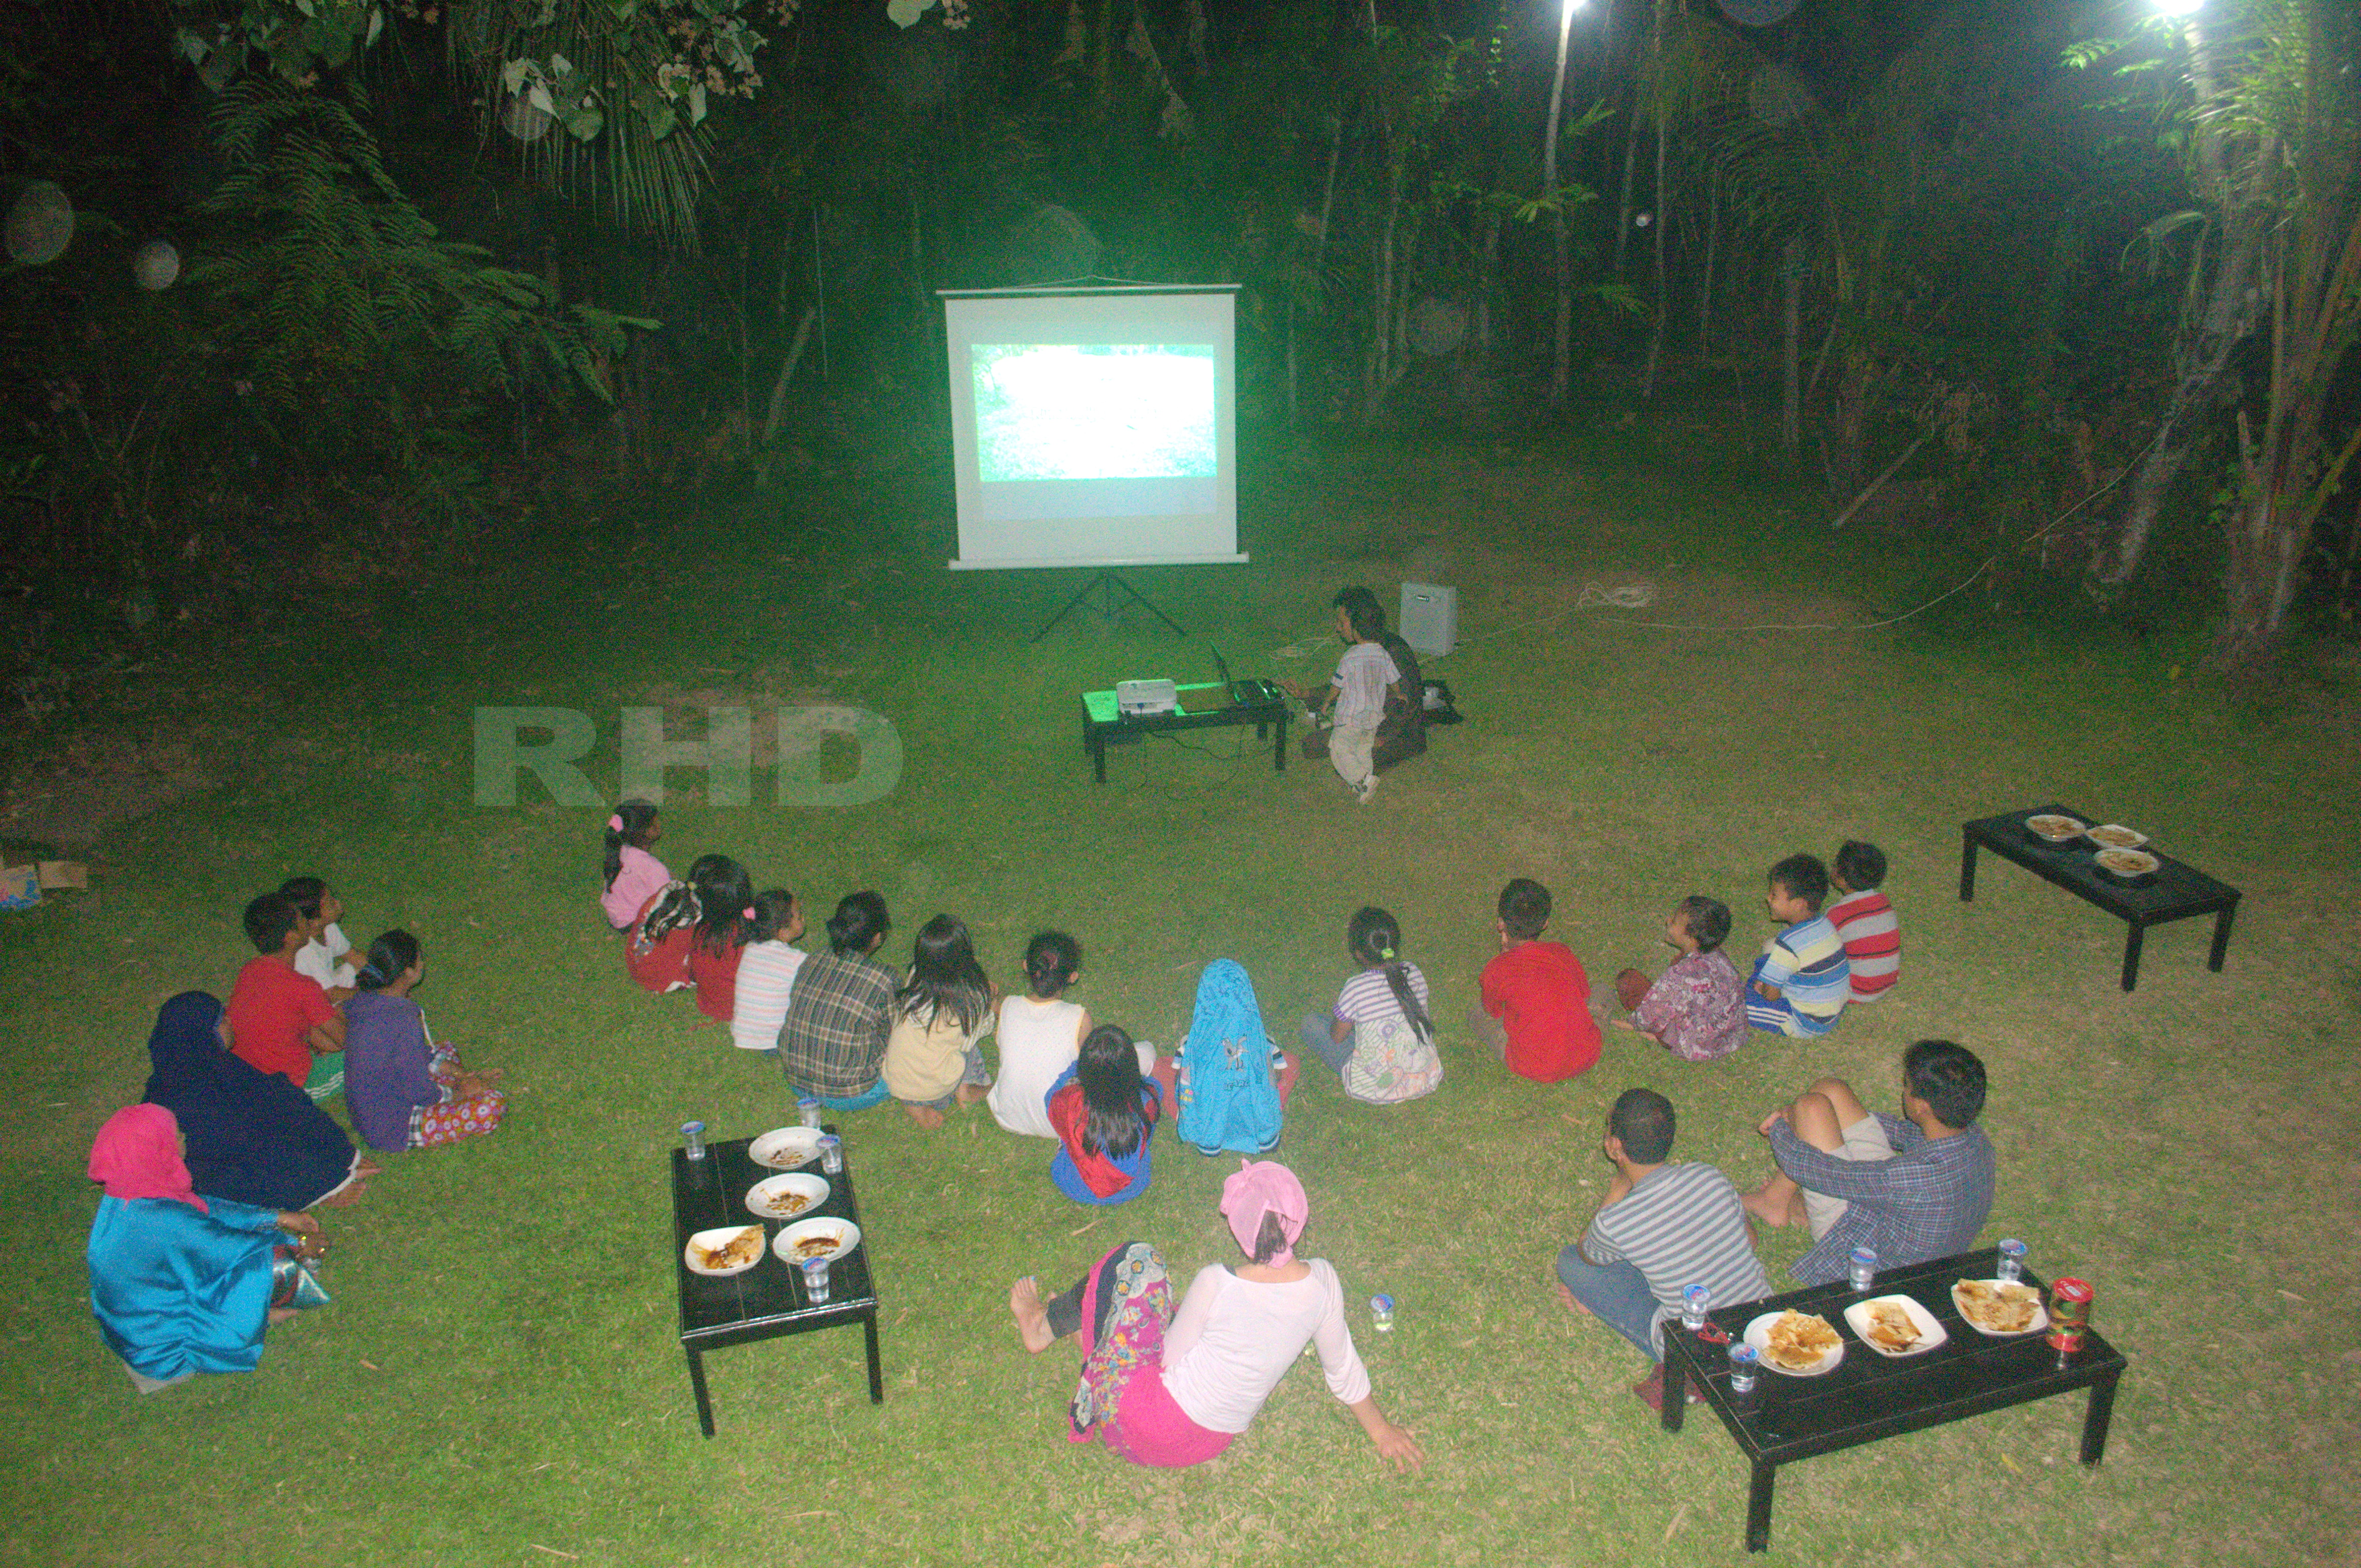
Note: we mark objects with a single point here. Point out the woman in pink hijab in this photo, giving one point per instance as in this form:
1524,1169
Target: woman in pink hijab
1169,1388
180,1284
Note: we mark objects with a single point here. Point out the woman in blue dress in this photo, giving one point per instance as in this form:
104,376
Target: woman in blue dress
180,1284
247,1134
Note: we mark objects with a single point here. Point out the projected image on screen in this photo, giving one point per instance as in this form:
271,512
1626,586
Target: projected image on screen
1128,411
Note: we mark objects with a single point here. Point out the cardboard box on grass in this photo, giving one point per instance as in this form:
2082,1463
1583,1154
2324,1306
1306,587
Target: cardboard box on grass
21,887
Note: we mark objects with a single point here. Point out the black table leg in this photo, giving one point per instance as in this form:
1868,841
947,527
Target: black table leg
1098,754
2132,954
2094,1420
697,1381
1278,748
1677,1385
2222,937
1966,866
876,1372
1758,1507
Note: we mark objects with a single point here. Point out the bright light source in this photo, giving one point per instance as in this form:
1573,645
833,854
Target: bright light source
2179,7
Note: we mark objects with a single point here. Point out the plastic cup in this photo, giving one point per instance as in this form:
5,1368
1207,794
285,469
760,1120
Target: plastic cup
808,1111
1864,1268
1745,1363
2012,1260
815,1280
1381,1313
692,1139
831,1154
1694,1300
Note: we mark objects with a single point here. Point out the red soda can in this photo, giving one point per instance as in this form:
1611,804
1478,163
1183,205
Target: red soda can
2069,1314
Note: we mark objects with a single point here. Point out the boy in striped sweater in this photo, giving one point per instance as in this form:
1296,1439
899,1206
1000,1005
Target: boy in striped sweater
1802,981
1865,921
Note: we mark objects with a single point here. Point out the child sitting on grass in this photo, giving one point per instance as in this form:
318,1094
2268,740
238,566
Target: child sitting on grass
1104,1111
1801,982
1864,920
1535,1008
404,1091
932,1061
1697,1008
632,875
1380,1035
322,956
1040,1034
655,954
280,1019
766,972
841,1012
725,924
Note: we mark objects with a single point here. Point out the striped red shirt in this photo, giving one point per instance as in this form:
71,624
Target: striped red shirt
1872,936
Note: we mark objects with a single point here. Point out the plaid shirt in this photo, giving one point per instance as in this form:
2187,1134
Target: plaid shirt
1927,1202
838,1018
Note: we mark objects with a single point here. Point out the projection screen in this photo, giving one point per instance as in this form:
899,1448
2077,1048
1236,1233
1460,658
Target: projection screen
1093,427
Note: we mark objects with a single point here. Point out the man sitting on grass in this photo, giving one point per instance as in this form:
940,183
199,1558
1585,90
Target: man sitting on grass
1802,981
1914,1187
1663,1228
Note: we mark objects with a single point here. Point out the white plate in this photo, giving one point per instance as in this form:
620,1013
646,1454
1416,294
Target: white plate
2040,1317
848,1236
785,1148
776,1190
705,1241
2128,864
1930,1333
1758,1334
2055,830
2133,838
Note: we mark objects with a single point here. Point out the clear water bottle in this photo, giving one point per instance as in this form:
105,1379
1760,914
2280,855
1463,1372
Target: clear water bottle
831,1154
1745,1364
1381,1313
808,1111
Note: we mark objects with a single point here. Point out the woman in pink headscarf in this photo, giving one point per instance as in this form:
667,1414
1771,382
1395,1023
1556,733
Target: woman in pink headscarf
1169,1388
180,1284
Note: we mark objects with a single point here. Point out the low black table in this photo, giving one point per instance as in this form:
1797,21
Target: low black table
1868,1396
767,1300
2177,892
1203,706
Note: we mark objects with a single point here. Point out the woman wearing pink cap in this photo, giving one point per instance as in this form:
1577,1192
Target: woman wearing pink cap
1169,1388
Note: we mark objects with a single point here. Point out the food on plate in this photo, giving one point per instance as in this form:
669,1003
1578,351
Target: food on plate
1891,1326
1997,1308
820,1244
2054,826
736,1252
2127,862
2117,838
786,1203
1797,1340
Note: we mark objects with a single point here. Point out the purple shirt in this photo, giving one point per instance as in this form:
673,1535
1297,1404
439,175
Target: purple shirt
386,1062
1698,1008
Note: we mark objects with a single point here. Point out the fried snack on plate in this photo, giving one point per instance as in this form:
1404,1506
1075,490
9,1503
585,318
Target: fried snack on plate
1891,1326
1797,1341
1997,1308
737,1251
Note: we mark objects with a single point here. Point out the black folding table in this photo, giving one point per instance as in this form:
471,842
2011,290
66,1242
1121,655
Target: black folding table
2177,892
767,1300
1867,1396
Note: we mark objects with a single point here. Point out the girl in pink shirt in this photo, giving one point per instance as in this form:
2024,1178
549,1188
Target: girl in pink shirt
633,875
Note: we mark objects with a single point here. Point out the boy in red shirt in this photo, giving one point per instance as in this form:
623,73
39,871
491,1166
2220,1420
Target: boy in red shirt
1536,1006
280,1020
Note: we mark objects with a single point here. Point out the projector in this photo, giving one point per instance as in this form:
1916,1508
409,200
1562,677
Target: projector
1139,699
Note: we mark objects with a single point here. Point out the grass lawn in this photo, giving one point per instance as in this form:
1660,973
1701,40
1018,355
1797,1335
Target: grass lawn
497,1381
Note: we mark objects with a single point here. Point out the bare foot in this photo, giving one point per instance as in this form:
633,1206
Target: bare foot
1032,1316
926,1116
277,1315
974,1093
1776,1215
1572,1305
365,1169
344,1197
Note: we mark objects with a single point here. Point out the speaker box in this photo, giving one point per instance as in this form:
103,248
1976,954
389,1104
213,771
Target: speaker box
1429,618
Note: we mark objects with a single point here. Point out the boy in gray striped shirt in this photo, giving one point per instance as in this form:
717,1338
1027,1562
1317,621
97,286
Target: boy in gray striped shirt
1662,1227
